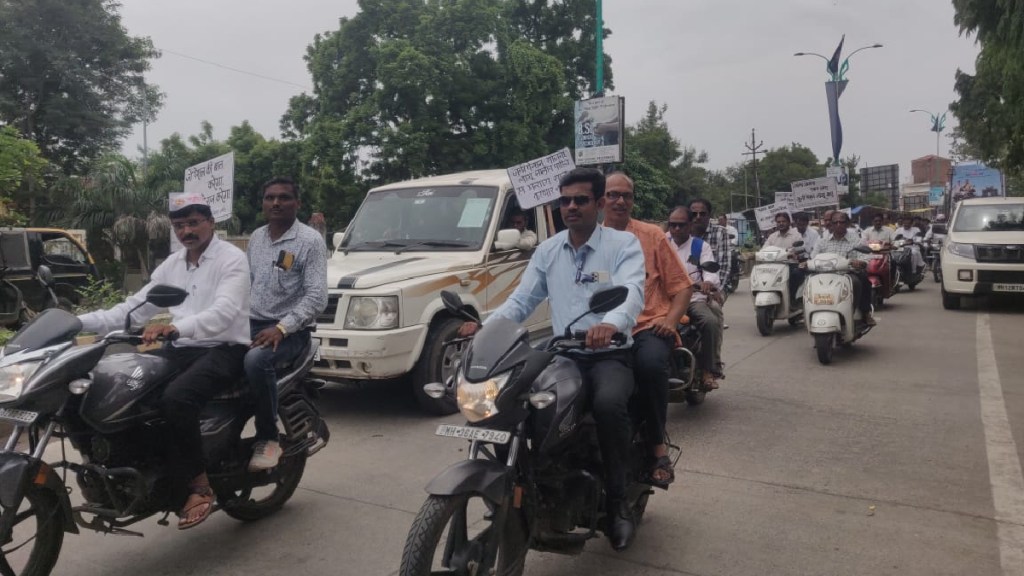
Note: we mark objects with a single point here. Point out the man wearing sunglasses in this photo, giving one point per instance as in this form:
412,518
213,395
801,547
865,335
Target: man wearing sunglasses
667,291
567,269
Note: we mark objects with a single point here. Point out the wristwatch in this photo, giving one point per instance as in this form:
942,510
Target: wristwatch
280,328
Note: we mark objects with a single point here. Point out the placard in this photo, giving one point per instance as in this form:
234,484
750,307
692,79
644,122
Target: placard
842,180
599,126
536,181
215,181
784,198
814,192
765,215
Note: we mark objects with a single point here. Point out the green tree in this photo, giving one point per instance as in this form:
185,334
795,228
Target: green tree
20,164
784,165
72,76
990,109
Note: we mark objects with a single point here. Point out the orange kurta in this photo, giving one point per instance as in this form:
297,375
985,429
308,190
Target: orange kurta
665,274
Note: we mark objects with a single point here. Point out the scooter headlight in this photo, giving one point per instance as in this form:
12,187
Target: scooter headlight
477,399
14,377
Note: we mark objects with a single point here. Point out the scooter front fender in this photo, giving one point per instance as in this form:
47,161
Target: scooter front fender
824,322
475,476
767,299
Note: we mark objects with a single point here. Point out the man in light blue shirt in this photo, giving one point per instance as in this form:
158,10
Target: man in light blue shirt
567,269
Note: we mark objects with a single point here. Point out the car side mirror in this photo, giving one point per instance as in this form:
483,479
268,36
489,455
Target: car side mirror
507,239
337,238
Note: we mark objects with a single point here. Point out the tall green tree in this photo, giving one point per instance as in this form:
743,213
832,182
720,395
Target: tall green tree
71,77
20,164
784,165
990,109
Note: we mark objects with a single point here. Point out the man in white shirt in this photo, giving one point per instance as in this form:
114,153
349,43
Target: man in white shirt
734,234
212,329
707,316
810,236
784,237
909,232
877,233
527,237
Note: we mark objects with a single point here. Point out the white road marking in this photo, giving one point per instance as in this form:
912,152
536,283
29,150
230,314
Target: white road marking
1004,469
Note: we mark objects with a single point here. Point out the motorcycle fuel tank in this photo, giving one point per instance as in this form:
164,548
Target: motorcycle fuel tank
120,382
553,425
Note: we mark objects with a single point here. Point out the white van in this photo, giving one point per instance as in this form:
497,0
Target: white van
406,243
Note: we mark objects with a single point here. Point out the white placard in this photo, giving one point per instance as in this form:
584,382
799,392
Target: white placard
536,182
784,198
215,181
842,180
599,126
814,192
765,215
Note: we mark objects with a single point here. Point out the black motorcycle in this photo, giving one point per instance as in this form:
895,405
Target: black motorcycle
533,478
106,407
686,375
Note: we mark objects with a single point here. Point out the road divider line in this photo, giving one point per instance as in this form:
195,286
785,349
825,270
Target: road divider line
1004,469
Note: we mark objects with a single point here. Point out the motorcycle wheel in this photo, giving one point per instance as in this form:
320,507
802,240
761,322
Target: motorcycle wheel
824,344
245,507
937,273
34,548
765,320
446,537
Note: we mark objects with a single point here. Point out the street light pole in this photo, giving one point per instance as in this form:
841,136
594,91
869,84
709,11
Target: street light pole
599,34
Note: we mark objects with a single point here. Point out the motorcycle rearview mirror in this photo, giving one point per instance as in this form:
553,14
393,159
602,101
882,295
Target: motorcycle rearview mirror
710,266
862,249
453,303
898,237
45,275
161,295
693,260
798,244
938,228
603,301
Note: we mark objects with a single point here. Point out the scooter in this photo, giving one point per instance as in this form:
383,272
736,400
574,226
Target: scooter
880,273
830,314
903,261
769,286
935,257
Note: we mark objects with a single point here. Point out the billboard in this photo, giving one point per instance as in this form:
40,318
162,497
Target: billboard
975,181
599,126
935,194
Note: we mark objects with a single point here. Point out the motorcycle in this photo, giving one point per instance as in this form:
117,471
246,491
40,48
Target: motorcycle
106,407
829,312
686,375
533,477
935,257
903,262
733,281
769,286
880,273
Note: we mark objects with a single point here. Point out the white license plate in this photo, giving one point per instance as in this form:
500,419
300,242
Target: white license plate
1008,287
18,416
469,433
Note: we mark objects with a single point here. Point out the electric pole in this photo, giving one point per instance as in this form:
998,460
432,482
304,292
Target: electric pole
754,148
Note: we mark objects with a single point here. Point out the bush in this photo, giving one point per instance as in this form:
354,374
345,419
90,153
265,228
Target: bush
5,335
97,295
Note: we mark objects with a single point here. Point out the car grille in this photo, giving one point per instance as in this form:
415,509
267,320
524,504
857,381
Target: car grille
1001,276
329,313
999,253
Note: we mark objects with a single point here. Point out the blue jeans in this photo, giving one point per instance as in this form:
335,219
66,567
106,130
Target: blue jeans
259,372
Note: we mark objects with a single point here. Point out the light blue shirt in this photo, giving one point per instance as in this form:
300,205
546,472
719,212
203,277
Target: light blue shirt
609,258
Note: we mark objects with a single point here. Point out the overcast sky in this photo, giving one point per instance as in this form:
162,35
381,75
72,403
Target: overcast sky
722,66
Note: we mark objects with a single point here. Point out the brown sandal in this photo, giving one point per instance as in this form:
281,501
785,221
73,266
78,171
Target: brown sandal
200,495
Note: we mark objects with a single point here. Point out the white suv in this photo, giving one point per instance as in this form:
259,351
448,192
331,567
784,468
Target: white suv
984,251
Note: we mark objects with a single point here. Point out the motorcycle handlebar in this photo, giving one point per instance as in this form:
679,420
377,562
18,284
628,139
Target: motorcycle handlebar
580,337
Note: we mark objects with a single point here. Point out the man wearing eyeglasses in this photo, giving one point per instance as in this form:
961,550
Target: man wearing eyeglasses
567,269
667,291
843,244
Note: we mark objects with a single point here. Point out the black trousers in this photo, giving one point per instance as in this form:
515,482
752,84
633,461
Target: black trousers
650,367
609,382
205,372
861,290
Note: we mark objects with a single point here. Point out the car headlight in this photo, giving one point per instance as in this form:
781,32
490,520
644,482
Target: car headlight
477,399
372,313
13,379
961,250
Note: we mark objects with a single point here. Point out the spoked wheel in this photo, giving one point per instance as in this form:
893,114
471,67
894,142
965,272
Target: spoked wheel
765,320
262,501
450,535
37,536
825,345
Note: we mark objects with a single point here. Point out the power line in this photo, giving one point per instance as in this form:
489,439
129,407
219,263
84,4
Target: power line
232,69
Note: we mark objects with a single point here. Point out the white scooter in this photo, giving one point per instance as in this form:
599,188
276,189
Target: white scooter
769,286
830,314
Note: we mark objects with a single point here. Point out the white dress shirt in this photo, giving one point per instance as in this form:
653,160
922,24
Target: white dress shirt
696,275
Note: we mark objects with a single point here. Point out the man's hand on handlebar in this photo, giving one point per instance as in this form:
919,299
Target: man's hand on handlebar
468,329
155,332
600,336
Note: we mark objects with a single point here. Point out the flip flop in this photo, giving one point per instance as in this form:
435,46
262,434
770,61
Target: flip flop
205,498
664,464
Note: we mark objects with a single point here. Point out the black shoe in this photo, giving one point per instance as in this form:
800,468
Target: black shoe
621,527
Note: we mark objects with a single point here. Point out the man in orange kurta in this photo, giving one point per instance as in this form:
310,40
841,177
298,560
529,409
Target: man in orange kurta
667,291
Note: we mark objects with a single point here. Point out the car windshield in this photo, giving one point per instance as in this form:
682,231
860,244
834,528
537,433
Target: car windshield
990,218
425,218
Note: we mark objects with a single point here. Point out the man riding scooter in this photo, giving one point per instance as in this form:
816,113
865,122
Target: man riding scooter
784,237
840,243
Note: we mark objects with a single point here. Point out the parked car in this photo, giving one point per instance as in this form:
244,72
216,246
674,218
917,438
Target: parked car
23,250
407,242
984,250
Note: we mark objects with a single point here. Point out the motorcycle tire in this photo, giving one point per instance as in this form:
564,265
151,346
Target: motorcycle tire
765,320
825,345
425,536
46,541
937,274
246,509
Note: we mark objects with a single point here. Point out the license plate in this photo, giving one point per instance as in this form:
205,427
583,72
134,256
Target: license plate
825,299
316,355
1008,287
469,433
16,416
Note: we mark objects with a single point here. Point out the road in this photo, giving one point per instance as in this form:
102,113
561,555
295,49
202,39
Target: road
896,459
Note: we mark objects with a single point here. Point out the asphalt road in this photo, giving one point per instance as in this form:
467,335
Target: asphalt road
897,459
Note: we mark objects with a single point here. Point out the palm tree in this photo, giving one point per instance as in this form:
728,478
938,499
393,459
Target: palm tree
113,199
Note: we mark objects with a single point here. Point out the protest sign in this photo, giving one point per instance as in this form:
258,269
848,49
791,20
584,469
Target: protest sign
536,181
842,180
765,215
785,198
215,181
599,126
813,193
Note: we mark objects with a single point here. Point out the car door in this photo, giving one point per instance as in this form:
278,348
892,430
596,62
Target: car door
506,267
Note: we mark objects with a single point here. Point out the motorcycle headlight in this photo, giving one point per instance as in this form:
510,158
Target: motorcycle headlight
372,313
13,379
961,250
476,400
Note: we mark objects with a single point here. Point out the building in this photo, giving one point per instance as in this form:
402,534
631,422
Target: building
914,196
932,169
884,180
